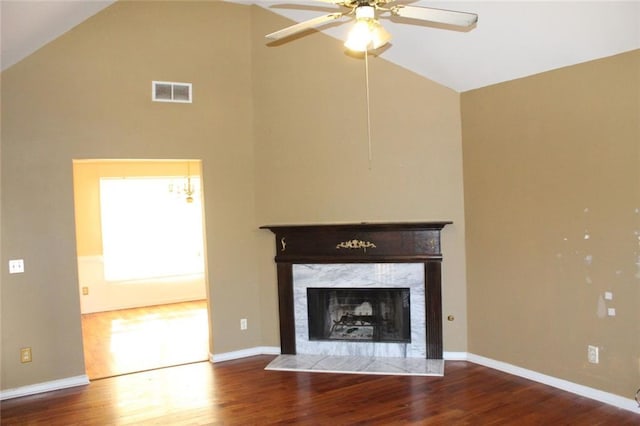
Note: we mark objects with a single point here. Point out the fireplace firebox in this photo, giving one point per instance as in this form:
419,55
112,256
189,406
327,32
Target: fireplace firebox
359,314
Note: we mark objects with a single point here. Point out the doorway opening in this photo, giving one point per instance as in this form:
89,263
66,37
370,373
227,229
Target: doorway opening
141,264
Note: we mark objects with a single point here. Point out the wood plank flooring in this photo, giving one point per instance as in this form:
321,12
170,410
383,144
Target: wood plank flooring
241,392
138,339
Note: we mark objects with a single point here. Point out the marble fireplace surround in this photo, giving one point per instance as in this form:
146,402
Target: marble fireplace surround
364,254
360,275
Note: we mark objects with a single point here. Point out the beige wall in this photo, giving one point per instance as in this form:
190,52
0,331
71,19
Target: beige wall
312,155
87,95
547,159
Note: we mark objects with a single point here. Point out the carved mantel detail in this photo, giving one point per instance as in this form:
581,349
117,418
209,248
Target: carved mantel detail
356,244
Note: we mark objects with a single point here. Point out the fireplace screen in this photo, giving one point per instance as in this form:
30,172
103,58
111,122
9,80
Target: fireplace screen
359,314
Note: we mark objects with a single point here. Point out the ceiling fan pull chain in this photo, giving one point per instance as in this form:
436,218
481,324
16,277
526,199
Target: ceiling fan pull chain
366,79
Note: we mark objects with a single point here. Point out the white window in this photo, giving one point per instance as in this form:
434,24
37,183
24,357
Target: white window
150,229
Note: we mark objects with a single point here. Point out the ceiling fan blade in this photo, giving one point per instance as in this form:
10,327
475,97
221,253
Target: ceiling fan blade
440,16
296,28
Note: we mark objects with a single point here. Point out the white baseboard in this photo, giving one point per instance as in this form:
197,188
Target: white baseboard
595,394
455,356
69,382
244,353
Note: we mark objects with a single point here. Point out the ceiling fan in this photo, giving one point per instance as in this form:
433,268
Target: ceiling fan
367,32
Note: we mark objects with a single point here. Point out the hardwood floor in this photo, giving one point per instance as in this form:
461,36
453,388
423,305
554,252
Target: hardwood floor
132,340
241,392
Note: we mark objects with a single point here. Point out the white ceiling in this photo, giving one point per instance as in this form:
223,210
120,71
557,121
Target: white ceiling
27,25
512,39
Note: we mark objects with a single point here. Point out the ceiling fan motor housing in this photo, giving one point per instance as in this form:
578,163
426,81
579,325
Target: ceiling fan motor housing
365,12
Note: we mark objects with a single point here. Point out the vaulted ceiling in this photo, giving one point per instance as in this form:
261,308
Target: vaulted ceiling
512,39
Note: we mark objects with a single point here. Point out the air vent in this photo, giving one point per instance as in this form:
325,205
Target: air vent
168,91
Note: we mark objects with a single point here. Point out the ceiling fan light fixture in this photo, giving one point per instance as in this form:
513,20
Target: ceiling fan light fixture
359,37
379,36
367,33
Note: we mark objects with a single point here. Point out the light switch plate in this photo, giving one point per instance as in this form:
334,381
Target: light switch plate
16,266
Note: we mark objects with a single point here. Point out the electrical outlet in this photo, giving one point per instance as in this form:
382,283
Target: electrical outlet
611,312
243,324
25,355
85,291
16,266
593,355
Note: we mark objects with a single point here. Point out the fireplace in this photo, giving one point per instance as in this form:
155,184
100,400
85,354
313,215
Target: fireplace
359,314
347,264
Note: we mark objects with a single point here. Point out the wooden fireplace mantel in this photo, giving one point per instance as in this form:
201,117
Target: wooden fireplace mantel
414,242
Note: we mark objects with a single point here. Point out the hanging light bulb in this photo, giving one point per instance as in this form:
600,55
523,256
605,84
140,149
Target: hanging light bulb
367,33
359,37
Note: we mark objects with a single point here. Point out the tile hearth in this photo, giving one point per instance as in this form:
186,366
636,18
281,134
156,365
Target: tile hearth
358,365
